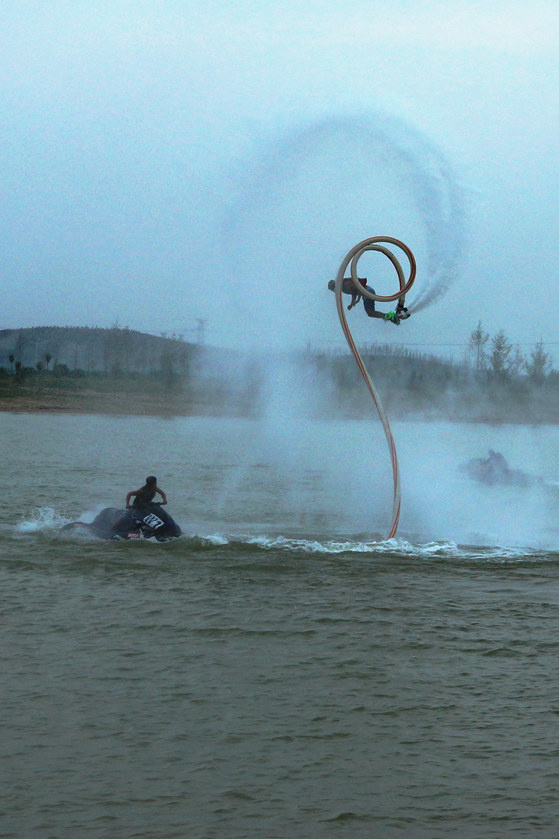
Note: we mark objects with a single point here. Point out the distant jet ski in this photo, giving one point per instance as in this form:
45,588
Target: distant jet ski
148,522
494,470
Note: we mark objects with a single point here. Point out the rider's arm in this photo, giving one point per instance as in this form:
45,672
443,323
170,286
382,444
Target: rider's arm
162,494
129,496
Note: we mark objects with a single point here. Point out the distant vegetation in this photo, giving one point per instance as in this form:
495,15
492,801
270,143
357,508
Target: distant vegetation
123,371
120,370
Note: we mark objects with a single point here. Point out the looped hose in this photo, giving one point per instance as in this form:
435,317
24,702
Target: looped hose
375,243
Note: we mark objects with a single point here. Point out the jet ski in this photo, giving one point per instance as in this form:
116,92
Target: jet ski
147,522
494,470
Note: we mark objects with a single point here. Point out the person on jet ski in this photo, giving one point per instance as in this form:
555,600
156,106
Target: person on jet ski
145,494
143,498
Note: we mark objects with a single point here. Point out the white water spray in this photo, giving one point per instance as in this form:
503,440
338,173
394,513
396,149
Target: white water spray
322,163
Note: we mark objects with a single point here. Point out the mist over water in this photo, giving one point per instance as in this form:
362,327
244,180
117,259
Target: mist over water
286,474
335,474
439,497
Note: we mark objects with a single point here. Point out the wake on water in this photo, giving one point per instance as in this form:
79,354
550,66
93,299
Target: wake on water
45,522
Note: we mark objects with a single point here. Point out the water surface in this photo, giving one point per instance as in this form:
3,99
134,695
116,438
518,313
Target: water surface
281,670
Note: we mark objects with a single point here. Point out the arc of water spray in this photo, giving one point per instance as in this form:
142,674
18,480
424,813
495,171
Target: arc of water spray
376,243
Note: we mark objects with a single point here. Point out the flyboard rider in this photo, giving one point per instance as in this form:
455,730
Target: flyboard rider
349,287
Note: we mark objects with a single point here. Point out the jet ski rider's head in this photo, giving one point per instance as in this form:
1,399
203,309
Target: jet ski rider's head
151,480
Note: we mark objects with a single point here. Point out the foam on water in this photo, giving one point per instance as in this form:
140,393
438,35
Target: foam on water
43,519
47,521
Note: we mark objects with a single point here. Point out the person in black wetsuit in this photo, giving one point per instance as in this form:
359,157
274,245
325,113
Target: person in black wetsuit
349,287
145,494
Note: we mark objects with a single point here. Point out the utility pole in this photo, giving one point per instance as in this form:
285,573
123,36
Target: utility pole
201,330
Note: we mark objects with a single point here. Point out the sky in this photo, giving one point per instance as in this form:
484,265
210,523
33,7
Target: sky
166,163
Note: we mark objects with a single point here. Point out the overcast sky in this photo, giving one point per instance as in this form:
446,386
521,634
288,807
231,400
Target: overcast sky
164,162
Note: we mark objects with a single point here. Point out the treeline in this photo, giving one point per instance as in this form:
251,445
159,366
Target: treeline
418,386
502,361
494,382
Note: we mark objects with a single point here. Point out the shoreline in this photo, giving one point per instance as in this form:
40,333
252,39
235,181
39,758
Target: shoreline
92,403
137,405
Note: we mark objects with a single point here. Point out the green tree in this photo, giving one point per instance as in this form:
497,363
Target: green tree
539,364
516,362
478,342
500,358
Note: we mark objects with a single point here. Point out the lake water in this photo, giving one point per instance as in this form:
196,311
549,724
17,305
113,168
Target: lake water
280,670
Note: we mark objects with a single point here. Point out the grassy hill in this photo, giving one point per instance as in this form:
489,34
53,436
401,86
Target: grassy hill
91,349
116,371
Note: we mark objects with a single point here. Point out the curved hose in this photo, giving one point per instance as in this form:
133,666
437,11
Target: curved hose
353,257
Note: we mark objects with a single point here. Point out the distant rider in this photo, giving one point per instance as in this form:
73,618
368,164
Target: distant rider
349,287
145,494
